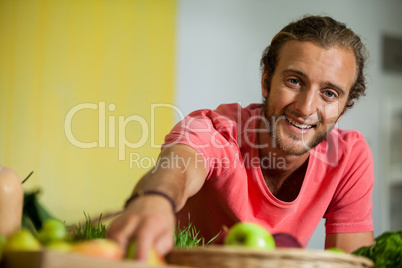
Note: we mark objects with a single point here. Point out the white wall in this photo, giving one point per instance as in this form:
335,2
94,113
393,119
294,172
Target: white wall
219,48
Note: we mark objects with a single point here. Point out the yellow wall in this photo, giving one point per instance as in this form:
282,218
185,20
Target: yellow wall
61,55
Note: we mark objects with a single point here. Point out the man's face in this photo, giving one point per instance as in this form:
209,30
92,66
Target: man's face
308,93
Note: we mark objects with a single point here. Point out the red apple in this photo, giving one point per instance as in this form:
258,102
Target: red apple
283,240
100,248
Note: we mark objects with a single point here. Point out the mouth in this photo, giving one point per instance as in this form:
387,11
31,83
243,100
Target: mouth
299,125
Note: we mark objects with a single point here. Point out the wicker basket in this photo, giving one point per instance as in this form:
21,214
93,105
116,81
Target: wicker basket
233,257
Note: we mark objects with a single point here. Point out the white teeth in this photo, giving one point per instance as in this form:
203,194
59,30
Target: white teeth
302,126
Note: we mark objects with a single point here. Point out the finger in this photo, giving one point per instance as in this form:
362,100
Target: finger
145,240
164,244
122,229
148,233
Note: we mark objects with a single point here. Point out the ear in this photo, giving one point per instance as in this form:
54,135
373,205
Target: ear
264,90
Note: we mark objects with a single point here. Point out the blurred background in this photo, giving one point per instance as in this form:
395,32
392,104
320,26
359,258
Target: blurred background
89,89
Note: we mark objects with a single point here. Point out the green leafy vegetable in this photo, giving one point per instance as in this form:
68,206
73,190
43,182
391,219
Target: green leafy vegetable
386,252
34,213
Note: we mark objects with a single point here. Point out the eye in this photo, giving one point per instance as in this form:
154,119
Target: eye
329,94
293,81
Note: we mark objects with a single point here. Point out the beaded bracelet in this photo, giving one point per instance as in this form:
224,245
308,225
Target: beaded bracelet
151,192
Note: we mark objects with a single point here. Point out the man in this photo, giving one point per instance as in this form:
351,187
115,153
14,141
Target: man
281,163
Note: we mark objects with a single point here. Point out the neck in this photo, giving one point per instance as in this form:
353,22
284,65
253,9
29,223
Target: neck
284,169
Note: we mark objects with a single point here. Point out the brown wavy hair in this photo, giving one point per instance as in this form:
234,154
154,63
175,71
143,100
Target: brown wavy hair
326,32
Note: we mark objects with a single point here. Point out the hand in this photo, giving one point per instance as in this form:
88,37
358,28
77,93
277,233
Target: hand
150,221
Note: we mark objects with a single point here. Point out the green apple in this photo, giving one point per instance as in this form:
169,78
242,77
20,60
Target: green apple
131,250
153,257
250,235
3,242
52,230
335,250
22,240
60,245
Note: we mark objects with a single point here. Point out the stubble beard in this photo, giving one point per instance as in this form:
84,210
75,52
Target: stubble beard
273,121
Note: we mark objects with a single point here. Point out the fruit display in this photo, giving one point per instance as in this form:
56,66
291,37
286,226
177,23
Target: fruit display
53,237
29,233
247,244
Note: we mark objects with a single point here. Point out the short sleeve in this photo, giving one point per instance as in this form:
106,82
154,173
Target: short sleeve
212,135
351,207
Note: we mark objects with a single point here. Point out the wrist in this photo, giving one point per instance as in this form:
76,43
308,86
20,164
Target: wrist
140,193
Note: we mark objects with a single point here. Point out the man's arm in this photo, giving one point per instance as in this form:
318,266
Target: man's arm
349,242
150,218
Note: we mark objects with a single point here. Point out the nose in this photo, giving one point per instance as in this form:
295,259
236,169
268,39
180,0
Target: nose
306,102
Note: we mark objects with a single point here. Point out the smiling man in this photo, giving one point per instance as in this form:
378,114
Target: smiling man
310,90
282,164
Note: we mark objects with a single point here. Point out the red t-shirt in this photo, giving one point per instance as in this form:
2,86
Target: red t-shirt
337,185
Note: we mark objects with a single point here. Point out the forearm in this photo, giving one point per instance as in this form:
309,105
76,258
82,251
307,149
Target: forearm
349,242
179,173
